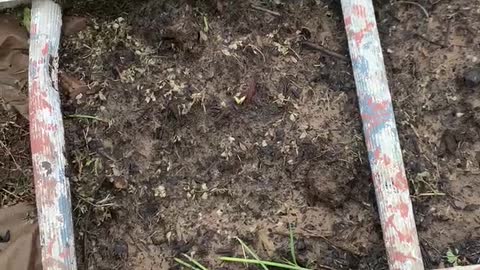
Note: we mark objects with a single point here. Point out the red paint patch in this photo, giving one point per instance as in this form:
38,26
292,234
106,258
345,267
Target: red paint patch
50,245
51,263
376,114
39,141
389,222
51,127
358,36
359,11
47,187
386,160
379,106
405,237
402,236
399,257
400,181
38,100
45,50
65,253
348,21
404,210
33,30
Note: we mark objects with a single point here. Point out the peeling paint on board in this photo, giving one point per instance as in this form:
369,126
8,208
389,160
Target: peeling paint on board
52,188
385,156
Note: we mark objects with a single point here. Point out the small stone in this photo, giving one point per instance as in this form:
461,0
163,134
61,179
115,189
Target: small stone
300,245
204,196
448,142
160,191
472,77
169,236
120,182
292,117
120,249
116,171
460,205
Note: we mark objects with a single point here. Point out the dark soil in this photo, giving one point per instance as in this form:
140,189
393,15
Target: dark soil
216,122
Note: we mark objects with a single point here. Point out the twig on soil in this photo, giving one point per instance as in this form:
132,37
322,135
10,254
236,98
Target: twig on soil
11,194
447,34
436,2
294,52
256,49
422,36
424,10
271,12
81,116
11,156
316,47
430,245
101,203
426,194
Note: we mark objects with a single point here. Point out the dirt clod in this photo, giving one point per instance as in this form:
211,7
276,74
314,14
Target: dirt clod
71,86
448,142
472,77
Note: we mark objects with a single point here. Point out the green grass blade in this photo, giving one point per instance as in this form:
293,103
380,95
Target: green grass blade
84,116
292,244
185,264
244,254
265,263
197,264
252,253
289,262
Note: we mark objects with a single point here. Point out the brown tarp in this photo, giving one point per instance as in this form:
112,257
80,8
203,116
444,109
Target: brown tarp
19,239
13,63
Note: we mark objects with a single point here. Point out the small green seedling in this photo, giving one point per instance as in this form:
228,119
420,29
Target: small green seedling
206,27
27,18
452,258
88,117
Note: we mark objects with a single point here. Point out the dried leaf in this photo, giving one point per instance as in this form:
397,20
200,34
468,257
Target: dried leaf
73,24
71,86
13,63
